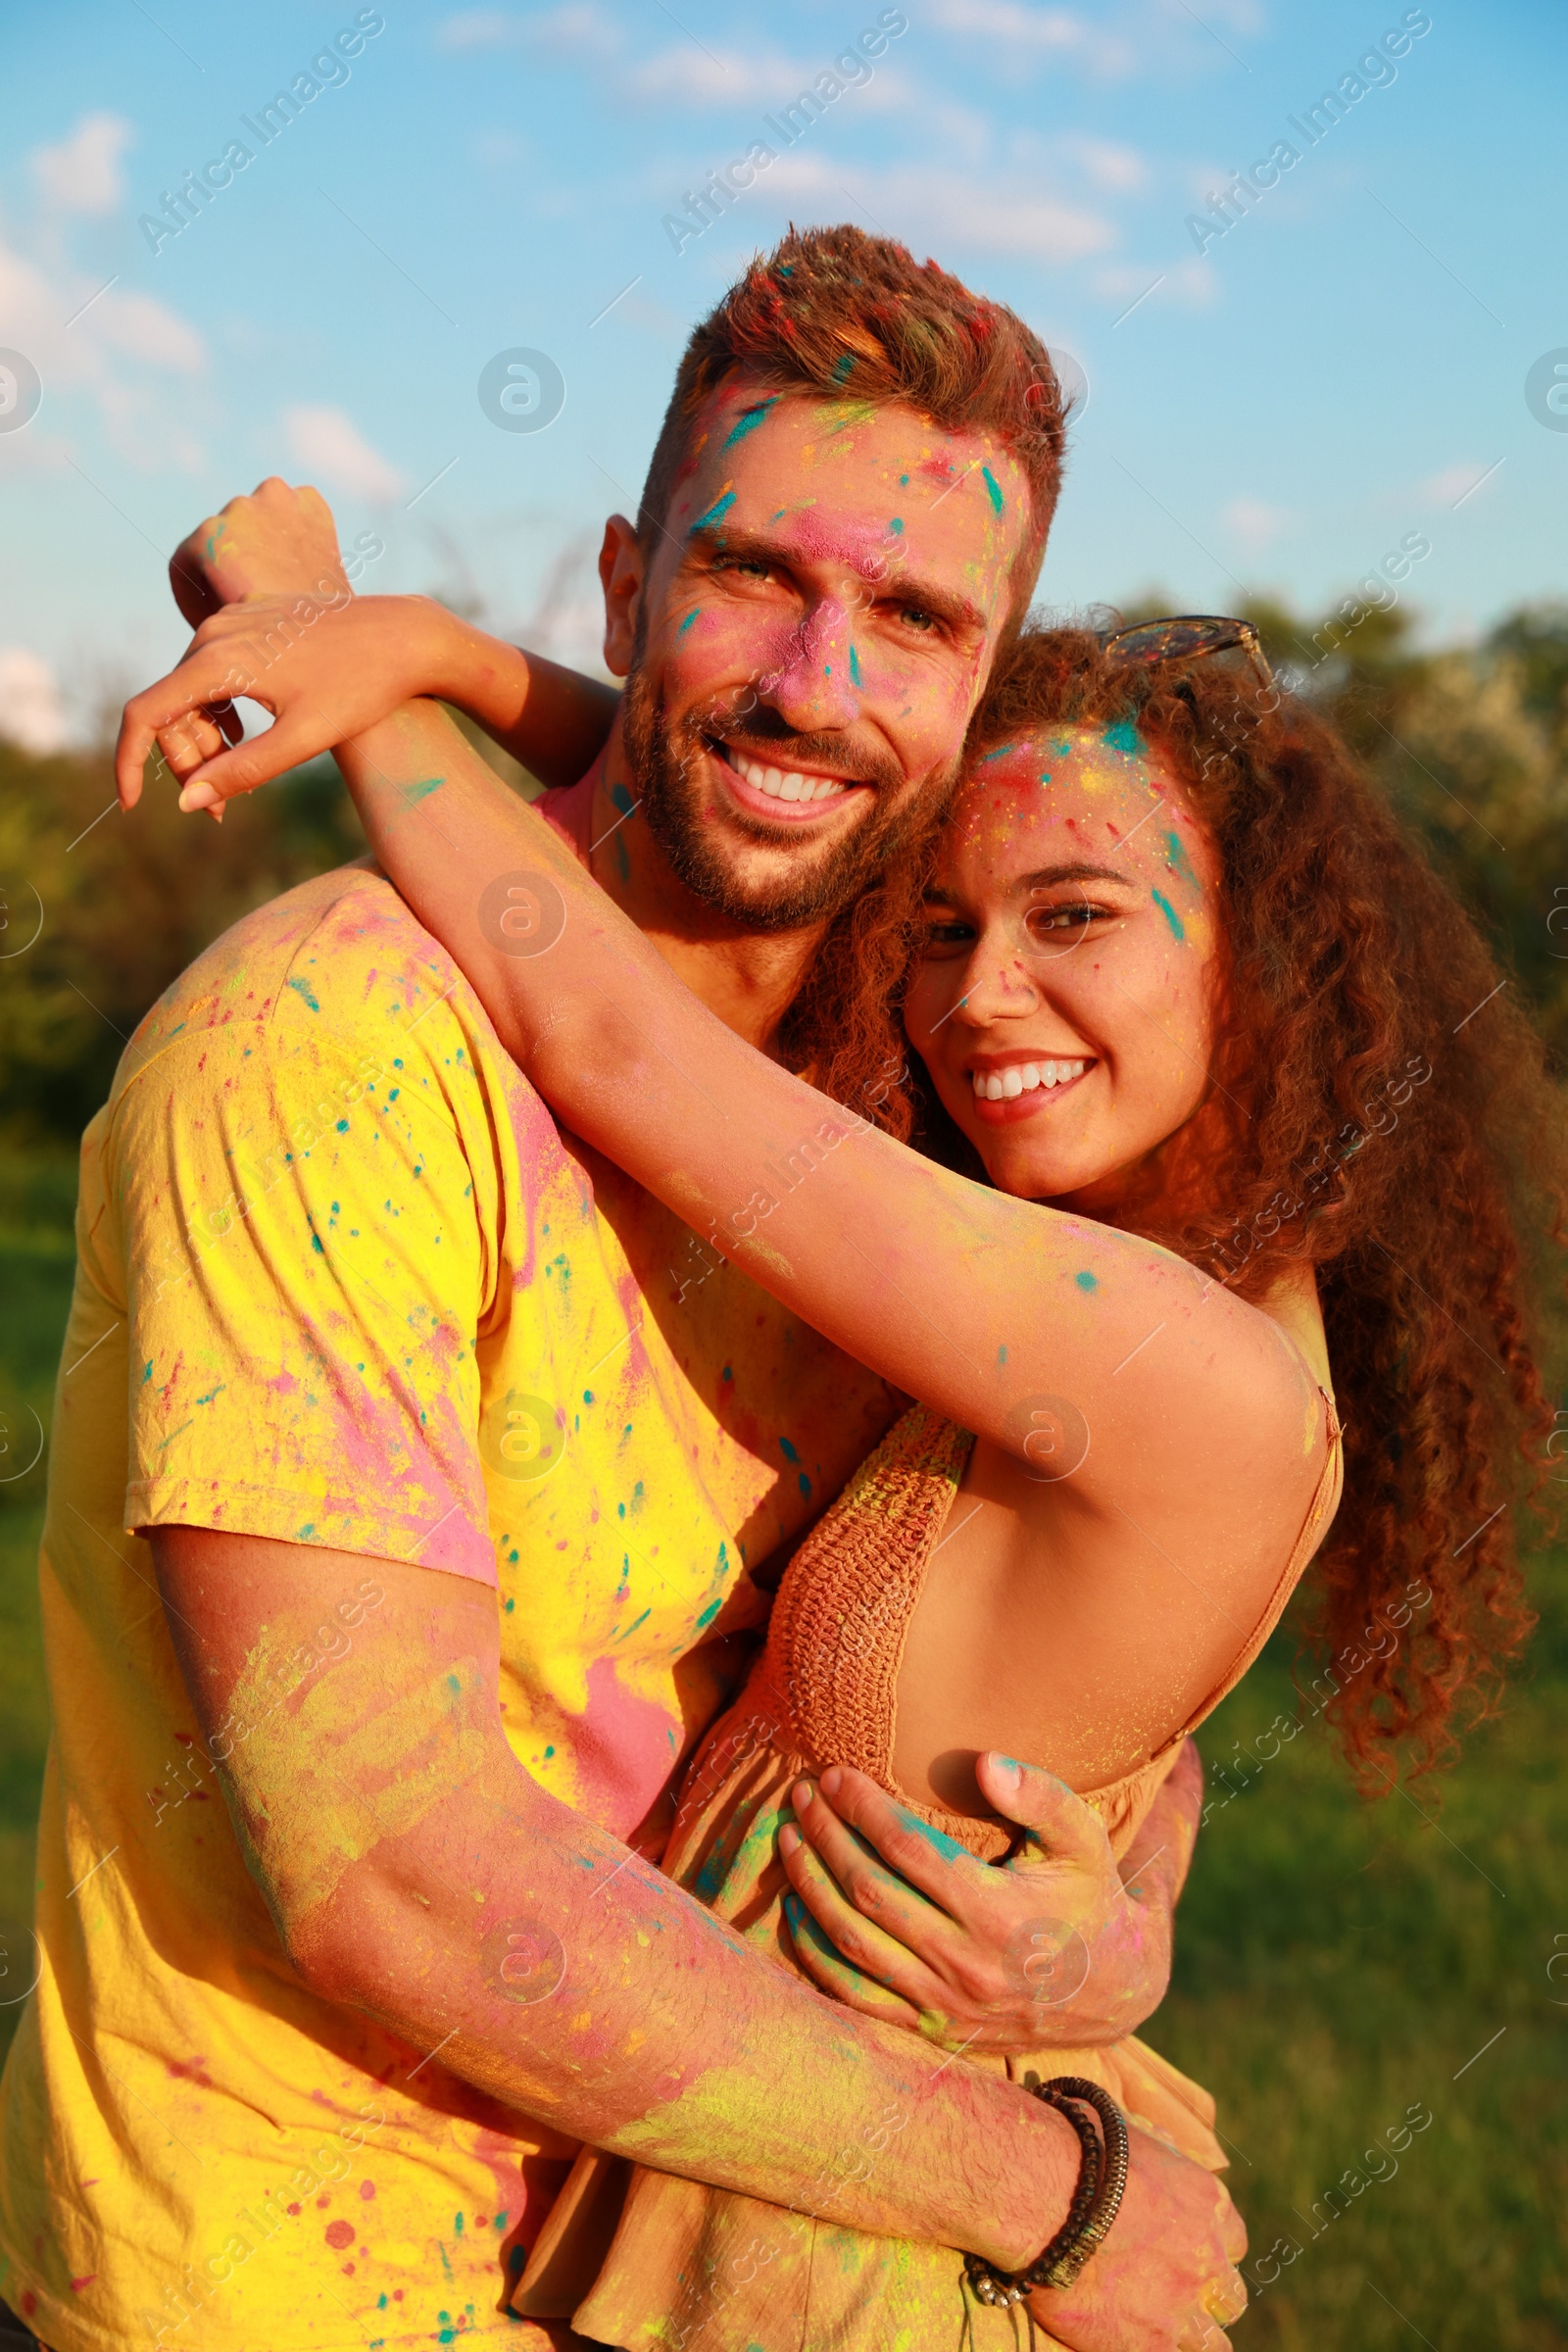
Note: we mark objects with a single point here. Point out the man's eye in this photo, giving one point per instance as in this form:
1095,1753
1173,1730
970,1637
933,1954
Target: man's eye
915,616
752,566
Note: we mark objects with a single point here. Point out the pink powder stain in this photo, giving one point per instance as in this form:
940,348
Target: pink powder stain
619,1748
366,2190
321,2203
294,2209
76,2284
339,2234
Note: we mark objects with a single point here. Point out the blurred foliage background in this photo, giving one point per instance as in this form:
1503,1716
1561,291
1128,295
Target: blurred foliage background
1337,1963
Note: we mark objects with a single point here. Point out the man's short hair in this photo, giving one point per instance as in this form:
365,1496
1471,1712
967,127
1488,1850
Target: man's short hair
857,318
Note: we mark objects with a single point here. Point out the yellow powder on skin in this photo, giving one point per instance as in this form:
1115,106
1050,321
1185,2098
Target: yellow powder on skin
357,1760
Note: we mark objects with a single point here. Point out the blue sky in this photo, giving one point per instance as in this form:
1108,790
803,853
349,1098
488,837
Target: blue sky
1338,370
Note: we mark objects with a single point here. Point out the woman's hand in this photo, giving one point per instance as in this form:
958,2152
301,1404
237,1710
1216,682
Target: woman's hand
1052,1949
325,663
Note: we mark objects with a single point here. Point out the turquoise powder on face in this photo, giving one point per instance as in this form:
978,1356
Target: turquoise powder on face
1087,1281
687,623
854,667
749,420
1170,915
1123,737
715,513
993,491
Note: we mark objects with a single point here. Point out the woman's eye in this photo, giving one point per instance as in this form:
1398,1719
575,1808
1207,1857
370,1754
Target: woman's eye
948,935
1061,919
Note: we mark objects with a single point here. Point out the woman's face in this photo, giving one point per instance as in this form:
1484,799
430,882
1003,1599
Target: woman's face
1064,1003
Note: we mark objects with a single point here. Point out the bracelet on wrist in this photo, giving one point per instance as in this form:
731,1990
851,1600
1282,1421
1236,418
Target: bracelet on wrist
1096,2200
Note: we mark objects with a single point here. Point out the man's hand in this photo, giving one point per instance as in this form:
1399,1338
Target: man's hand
1052,1949
1166,2274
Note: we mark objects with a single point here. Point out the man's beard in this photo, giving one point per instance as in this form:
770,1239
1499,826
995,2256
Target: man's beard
664,764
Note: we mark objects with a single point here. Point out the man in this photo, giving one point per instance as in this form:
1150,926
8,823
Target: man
451,1460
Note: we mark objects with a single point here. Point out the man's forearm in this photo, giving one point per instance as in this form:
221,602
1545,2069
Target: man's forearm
603,2001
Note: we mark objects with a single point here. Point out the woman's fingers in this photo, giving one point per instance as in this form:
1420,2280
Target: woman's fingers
207,677
189,743
287,744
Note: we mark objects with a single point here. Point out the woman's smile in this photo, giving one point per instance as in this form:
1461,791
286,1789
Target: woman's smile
1015,1086
1064,1004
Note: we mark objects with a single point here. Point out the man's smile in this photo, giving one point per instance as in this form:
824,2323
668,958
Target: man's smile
786,795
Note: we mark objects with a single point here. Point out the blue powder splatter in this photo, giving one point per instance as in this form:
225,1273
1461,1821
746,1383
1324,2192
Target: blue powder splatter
938,1839
854,667
715,513
896,527
1170,915
301,988
1123,737
787,1451
1176,859
841,367
989,481
1087,1281
749,419
687,623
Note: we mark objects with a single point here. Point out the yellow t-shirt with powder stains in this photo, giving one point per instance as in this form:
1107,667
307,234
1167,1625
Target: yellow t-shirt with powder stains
342,1282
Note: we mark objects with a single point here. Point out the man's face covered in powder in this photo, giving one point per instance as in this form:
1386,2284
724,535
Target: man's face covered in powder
812,632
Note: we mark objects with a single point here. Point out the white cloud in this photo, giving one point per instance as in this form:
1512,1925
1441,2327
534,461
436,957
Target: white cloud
31,711
1108,165
1190,285
1453,482
330,443
1253,523
82,174
942,208
577,27
113,338
139,325
1048,31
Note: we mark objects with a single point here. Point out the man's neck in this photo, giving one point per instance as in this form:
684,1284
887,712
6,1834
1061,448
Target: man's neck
749,978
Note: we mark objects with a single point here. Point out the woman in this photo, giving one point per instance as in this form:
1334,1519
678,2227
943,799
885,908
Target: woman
1179,983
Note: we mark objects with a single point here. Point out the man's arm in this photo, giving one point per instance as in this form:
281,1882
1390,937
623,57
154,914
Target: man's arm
416,1872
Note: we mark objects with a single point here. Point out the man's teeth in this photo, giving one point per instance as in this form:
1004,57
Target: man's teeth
784,784
1022,1077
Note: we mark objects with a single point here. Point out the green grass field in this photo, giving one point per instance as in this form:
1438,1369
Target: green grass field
1338,1965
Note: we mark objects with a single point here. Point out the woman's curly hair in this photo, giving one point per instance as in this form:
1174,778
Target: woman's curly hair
1378,1104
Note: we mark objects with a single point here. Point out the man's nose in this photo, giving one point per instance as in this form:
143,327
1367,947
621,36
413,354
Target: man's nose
814,686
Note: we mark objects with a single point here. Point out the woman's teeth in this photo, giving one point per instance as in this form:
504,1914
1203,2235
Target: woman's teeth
784,784
1022,1077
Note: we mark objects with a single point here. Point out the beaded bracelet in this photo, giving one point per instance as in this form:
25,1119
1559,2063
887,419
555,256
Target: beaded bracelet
1096,2200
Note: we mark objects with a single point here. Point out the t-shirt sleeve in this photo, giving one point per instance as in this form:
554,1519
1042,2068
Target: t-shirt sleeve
306,1283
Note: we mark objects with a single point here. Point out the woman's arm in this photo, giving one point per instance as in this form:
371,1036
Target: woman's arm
265,587
995,1311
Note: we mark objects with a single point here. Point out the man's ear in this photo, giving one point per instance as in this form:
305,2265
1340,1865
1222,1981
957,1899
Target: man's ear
621,573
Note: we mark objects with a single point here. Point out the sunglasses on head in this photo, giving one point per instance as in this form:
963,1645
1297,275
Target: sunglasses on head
1185,636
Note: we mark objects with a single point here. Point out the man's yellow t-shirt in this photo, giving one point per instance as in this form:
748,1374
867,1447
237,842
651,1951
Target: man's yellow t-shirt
342,1282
